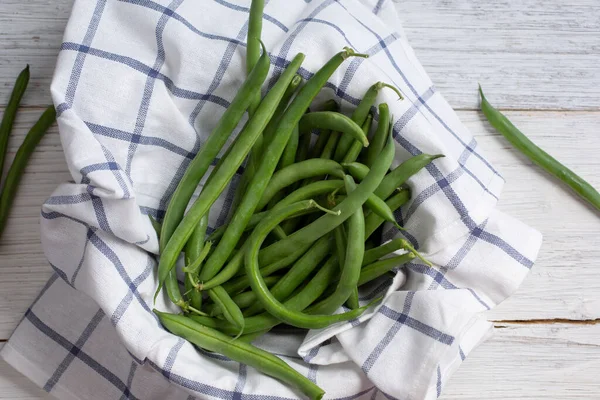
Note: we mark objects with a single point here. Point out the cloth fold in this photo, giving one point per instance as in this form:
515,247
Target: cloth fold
139,84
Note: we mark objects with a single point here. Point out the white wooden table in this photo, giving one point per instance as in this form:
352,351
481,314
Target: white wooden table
537,60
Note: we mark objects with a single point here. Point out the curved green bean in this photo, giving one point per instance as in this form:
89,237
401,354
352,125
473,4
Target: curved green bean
213,340
244,299
373,221
10,112
333,121
271,304
13,177
537,155
223,174
330,105
231,311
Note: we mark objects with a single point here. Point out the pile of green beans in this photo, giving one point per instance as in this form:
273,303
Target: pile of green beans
33,137
294,249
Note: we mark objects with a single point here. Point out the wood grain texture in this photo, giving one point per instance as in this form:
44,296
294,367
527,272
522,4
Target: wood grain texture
553,362
530,54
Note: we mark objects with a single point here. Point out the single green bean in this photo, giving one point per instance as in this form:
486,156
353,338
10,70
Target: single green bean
327,223
341,242
239,351
271,304
13,177
381,134
379,268
10,112
333,121
209,151
303,148
356,147
254,45
269,160
231,311
289,152
223,175
296,172
537,155
360,115
156,225
331,145
297,274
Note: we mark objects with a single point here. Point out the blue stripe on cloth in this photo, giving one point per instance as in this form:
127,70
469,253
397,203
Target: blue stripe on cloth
378,6
170,361
150,81
126,301
62,367
241,382
438,385
78,352
69,199
461,353
78,268
266,16
417,325
132,370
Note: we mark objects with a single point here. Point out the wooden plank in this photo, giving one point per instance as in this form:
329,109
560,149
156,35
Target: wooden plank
531,362
554,362
529,54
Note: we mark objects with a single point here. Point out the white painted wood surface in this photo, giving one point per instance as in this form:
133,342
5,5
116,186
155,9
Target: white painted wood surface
539,59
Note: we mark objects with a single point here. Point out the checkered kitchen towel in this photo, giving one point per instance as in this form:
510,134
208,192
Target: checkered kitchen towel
138,86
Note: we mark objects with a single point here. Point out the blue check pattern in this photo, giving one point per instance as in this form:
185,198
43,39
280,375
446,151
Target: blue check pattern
138,87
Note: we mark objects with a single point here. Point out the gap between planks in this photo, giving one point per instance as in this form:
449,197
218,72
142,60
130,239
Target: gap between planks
505,323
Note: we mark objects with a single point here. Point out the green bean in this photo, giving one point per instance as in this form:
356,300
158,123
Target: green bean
356,147
13,177
381,134
379,268
209,151
239,351
156,225
354,253
270,158
231,311
296,172
331,145
303,148
244,299
254,45
172,286
376,253
10,113
327,223
297,274
271,304
341,243
222,176
193,250
330,105
373,221
537,155
333,121
194,267
289,153
360,115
